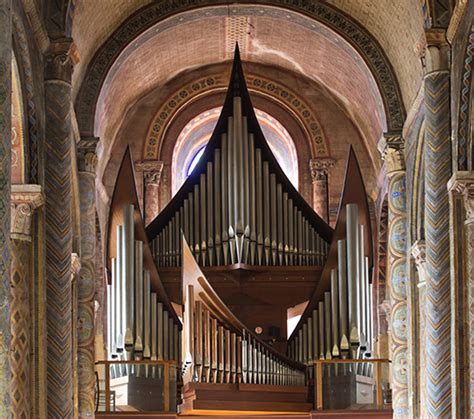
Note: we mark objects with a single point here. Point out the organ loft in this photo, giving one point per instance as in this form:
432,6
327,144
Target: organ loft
251,209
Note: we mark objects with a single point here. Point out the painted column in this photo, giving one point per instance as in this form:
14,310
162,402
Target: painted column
5,163
319,169
461,188
397,273
24,200
58,209
87,278
437,154
152,171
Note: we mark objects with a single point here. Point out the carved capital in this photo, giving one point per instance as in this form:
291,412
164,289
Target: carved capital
75,265
86,154
151,170
463,184
436,54
394,160
24,200
319,168
59,60
418,251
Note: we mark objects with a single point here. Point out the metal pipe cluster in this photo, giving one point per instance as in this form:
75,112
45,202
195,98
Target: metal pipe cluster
238,212
341,326
138,326
219,354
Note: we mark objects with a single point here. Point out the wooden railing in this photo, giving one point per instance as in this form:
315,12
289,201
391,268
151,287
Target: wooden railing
217,347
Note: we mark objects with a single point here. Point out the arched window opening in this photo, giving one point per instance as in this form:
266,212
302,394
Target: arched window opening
195,135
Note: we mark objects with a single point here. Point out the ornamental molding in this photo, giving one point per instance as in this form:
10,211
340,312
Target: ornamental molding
143,19
24,200
462,183
256,84
319,168
458,13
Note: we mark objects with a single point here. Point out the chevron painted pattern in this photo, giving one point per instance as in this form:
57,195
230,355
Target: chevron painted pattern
397,242
20,327
5,186
438,306
58,248
86,291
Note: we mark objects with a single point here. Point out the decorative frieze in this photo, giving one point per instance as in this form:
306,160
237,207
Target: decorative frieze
24,200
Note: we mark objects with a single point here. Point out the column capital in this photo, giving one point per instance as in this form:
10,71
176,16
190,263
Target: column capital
319,168
418,251
59,60
151,170
24,200
391,146
462,183
75,264
436,55
86,154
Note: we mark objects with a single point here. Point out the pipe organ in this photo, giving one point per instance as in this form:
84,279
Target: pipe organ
217,348
238,207
339,324
139,327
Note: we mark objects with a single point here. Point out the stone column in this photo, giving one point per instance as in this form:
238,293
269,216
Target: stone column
24,200
5,164
87,278
151,170
461,189
75,269
319,169
397,273
437,155
58,209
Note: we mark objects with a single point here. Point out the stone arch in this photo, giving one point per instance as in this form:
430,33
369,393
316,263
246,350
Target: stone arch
366,45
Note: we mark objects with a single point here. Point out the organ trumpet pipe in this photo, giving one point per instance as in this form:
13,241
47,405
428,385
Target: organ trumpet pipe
286,248
214,351
309,351
266,213
179,232
207,346
109,320
154,327
327,323
210,213
225,200
306,242
129,274
342,286
197,236
239,228
120,290
250,366
300,345
198,343
335,314
304,344
147,316
203,223
246,174
315,321
252,201
186,219
227,355
231,170
297,260
321,329
239,359
166,354
171,349
290,232
361,292
352,274
217,206
233,358
138,303
160,332
273,220
190,220
244,358
220,346
113,306
259,204
369,299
